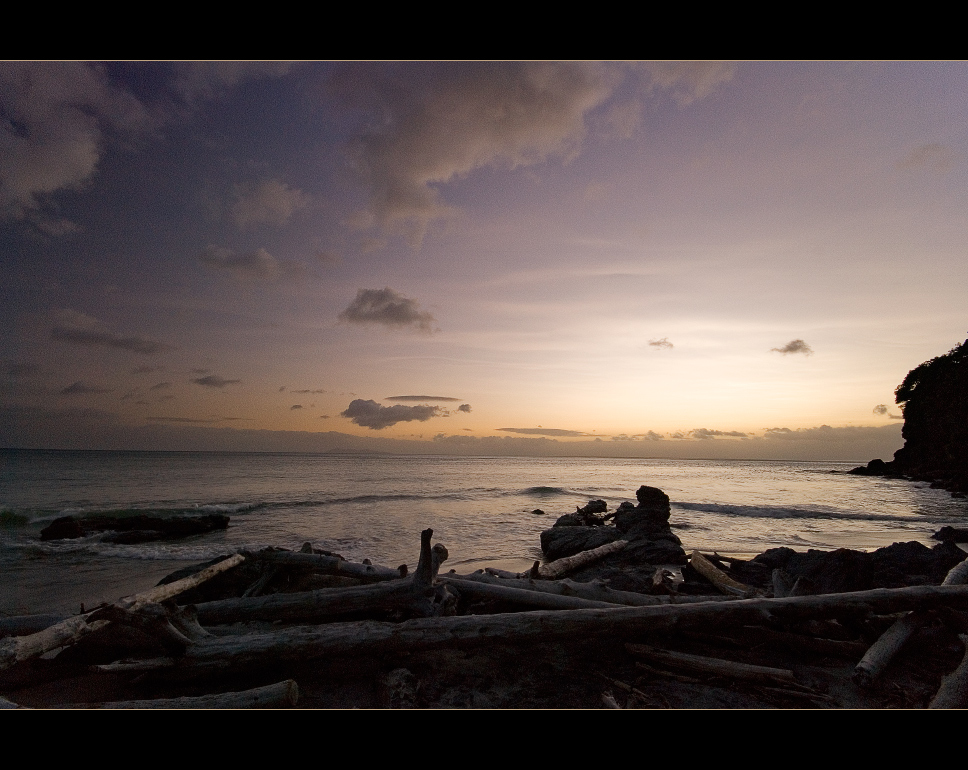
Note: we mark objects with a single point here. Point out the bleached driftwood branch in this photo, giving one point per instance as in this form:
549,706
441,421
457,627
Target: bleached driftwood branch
279,695
18,648
561,567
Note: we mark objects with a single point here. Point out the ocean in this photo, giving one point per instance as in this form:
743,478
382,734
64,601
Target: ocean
483,509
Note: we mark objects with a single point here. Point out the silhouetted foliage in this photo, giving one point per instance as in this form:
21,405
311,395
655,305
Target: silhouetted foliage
934,399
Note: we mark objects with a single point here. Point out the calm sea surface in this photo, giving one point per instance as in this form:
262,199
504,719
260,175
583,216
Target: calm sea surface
374,507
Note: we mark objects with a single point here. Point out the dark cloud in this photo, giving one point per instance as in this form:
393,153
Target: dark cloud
828,433
545,432
370,414
420,398
663,343
79,388
882,410
81,329
295,406
258,265
214,381
706,433
464,408
794,346
387,308
160,386
318,390
185,420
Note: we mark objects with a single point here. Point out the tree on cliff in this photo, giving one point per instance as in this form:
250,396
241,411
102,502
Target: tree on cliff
934,399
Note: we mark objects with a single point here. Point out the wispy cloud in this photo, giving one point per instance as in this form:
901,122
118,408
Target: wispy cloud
370,414
385,307
706,433
558,432
269,202
420,398
931,157
214,381
258,265
794,346
81,329
663,343
79,388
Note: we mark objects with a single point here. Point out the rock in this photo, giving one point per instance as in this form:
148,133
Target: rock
645,526
951,535
559,542
134,529
873,468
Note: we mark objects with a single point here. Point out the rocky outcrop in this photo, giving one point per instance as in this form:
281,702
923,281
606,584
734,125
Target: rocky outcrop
934,399
645,526
134,529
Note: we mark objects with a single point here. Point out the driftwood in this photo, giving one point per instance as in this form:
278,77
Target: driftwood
716,666
304,643
524,597
416,593
561,567
280,695
892,641
18,648
718,578
331,565
594,591
21,625
953,693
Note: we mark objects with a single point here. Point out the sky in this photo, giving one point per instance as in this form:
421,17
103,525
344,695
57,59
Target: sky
633,259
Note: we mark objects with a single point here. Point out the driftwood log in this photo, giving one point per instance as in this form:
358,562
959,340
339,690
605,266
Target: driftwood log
718,578
715,666
280,695
18,648
892,641
417,594
305,643
561,567
331,565
953,693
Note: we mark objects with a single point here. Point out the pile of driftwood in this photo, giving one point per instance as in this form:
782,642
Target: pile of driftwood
177,638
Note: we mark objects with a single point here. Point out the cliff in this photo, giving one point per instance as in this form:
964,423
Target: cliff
934,400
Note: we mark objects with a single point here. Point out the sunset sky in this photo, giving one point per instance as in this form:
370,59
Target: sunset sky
663,259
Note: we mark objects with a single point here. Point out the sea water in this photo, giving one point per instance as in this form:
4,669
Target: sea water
487,511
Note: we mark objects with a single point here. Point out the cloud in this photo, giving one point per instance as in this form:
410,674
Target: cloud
471,116
214,381
663,343
827,433
196,81
387,308
318,390
882,410
258,265
464,408
706,433
82,329
79,388
160,386
185,419
545,432
932,157
690,81
54,125
370,414
268,202
295,406
794,346
420,398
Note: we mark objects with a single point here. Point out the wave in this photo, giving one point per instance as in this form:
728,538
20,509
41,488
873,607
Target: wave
791,512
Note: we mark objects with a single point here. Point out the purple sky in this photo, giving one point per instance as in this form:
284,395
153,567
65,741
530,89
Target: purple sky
707,259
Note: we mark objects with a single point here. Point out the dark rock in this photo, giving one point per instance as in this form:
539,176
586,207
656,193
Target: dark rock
161,527
594,506
951,535
895,566
538,512
559,542
873,468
